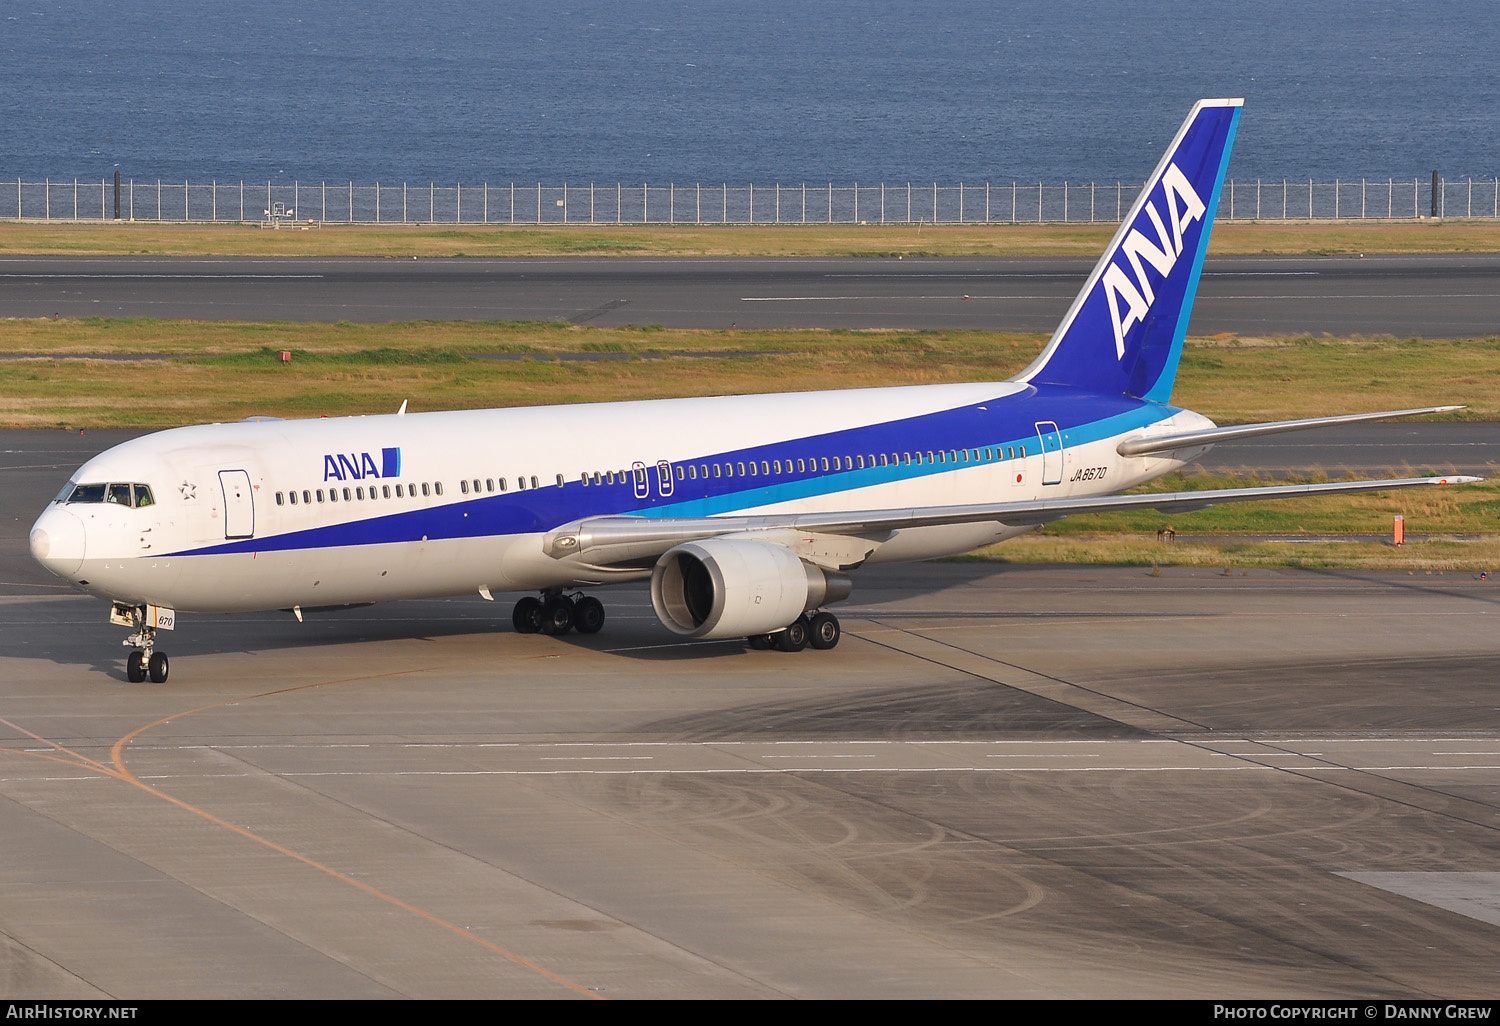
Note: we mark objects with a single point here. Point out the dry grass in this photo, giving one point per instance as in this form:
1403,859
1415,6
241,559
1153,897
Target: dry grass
223,371
198,240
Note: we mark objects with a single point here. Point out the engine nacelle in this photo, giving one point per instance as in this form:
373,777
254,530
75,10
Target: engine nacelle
736,587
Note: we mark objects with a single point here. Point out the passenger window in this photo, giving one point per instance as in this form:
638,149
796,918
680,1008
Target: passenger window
559,480
463,486
717,469
293,498
476,486
425,491
742,470
681,474
533,484
385,491
825,462
278,498
801,466
306,497
359,493
320,493
489,483
437,486
502,484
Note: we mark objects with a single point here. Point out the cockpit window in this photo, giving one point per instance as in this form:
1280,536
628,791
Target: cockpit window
88,493
119,494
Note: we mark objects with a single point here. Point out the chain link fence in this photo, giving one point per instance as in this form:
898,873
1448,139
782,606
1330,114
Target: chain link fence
905,203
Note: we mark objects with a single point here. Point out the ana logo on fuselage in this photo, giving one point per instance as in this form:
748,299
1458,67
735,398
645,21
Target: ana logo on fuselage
356,466
1183,208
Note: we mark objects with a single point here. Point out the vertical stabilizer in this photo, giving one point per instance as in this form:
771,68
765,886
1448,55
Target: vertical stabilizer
1124,332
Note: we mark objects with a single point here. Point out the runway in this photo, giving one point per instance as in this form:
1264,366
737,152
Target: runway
1418,297
1005,782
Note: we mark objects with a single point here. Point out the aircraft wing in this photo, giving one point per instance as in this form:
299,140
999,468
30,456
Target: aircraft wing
603,541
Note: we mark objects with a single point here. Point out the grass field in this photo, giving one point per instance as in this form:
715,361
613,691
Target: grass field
1073,240
225,371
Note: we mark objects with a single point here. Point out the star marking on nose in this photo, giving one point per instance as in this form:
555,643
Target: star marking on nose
188,490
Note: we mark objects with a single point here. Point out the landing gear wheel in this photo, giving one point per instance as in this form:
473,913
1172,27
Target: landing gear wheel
527,616
557,615
135,666
794,637
759,642
588,615
157,667
825,631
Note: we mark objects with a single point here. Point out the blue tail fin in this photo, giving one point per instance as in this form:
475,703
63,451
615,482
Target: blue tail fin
1124,332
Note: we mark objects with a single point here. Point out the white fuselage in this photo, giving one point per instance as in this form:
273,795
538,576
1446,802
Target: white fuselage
445,503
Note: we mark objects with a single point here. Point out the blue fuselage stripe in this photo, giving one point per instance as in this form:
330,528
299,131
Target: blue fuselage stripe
999,424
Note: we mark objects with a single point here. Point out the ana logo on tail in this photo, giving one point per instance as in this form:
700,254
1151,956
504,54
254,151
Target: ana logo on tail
1183,208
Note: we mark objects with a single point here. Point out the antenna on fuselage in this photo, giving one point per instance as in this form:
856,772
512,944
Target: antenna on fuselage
402,412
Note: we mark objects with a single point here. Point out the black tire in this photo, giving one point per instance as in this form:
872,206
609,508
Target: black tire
158,668
759,642
825,632
588,615
527,616
794,637
557,615
135,666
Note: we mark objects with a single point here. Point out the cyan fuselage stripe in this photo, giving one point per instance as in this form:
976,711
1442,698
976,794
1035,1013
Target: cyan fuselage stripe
1005,421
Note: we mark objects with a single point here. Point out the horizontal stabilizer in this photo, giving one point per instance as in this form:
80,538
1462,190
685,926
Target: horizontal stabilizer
1208,436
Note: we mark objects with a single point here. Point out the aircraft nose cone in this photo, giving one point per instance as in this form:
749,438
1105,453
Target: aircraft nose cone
57,541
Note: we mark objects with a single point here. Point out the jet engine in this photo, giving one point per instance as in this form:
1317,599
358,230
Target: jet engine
737,587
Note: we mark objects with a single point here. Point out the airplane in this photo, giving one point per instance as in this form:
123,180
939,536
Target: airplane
747,513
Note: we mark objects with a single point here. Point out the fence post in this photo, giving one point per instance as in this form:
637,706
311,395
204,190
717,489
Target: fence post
214,200
856,203
1436,192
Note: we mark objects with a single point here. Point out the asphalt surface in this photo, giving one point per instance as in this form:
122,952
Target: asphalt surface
1005,782
1421,297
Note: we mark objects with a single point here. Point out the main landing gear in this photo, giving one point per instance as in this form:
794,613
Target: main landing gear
556,613
143,661
821,631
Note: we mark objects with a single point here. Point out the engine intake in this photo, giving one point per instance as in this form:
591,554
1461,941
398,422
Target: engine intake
736,587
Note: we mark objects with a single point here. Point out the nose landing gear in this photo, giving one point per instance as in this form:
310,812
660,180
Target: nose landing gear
143,661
